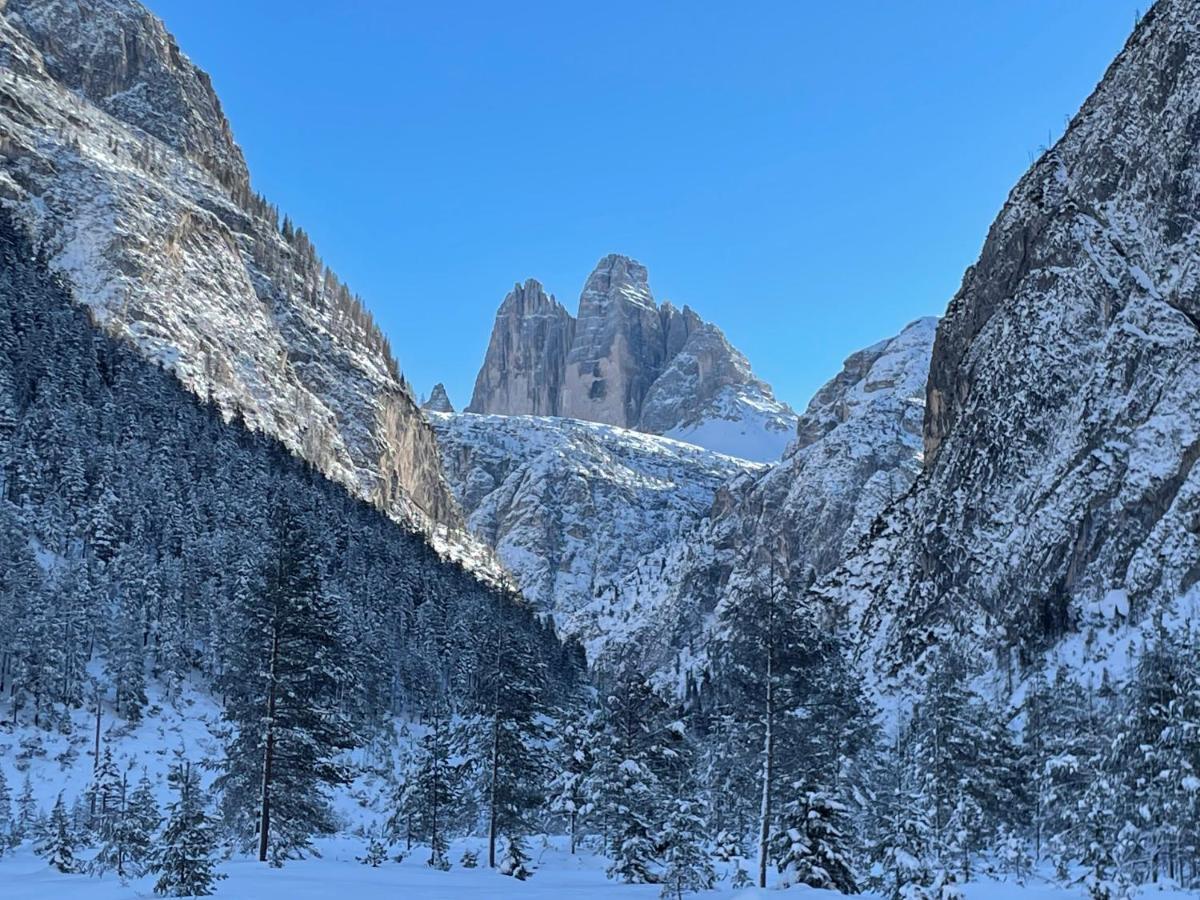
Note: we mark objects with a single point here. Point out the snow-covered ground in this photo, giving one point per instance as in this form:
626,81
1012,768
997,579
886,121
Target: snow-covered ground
24,876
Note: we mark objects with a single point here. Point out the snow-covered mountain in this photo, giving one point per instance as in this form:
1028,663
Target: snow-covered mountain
115,153
631,540
1060,494
626,361
858,449
572,506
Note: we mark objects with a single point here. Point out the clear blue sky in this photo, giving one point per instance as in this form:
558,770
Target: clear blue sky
808,176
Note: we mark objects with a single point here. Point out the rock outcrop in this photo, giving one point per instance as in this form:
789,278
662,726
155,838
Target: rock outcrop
439,400
572,506
627,361
526,359
857,452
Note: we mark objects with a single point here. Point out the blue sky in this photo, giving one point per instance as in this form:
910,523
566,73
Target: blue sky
809,176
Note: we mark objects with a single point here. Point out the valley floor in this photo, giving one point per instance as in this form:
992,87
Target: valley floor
24,876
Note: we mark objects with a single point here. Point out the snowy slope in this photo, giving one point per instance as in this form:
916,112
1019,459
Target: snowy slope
631,540
571,506
858,449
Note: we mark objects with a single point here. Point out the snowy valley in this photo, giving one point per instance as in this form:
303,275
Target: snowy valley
628,625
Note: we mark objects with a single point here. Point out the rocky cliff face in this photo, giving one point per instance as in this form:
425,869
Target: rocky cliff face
626,361
526,359
630,541
1062,426
115,155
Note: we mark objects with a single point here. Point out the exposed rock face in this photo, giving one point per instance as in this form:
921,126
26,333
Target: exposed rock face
858,450
526,359
116,156
1063,417
628,362
619,348
571,506
439,400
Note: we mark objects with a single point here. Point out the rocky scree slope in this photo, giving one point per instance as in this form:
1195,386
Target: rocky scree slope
1060,494
626,361
115,154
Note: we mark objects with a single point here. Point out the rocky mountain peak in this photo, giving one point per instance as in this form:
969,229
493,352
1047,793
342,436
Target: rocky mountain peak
615,278
439,400
119,56
626,361
1061,430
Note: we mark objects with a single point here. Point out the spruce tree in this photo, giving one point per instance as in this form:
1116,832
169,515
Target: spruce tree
813,847
513,746
567,792
27,812
282,690
57,844
185,860
686,866
7,822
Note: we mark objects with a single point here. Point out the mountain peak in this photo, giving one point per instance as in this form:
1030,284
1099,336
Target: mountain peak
615,277
439,400
629,362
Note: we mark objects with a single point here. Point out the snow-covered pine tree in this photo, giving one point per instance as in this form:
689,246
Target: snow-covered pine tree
375,854
567,792
7,822
514,861
686,866
185,860
812,847
57,843
106,790
764,649
511,746
900,826
27,811
639,751
430,787
282,687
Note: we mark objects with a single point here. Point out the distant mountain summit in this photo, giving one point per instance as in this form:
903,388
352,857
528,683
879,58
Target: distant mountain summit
439,400
624,360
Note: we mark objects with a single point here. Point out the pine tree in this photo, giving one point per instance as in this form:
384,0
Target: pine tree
185,862
637,754
568,789
514,738
106,791
57,843
431,786
375,854
686,866
26,811
515,861
813,848
7,822
283,685
769,648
